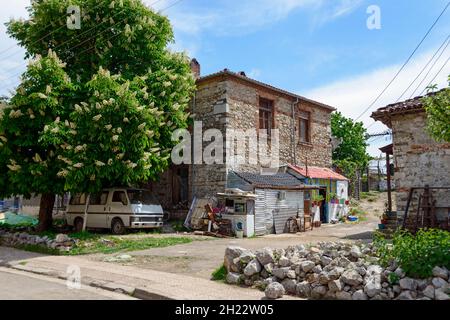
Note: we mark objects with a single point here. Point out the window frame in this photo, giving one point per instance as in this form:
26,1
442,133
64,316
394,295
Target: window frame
126,197
304,117
266,115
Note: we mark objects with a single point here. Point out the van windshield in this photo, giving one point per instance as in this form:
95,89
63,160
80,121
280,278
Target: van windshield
142,197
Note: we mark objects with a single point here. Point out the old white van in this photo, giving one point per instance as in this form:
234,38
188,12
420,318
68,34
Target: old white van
117,209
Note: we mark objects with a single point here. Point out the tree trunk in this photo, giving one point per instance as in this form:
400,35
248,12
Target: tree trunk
46,212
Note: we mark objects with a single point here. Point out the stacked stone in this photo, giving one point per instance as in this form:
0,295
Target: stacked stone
62,242
330,270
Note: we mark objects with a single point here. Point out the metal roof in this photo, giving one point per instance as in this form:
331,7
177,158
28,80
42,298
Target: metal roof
276,181
318,173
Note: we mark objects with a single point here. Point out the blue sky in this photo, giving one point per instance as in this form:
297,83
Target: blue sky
321,49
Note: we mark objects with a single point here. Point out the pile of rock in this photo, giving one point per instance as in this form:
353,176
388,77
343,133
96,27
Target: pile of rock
61,242
330,270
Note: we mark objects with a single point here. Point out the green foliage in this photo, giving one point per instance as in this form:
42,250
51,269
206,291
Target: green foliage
317,198
178,226
416,254
39,249
98,109
220,274
437,107
351,153
393,278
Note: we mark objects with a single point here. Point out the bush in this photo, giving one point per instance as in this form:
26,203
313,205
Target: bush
220,274
416,254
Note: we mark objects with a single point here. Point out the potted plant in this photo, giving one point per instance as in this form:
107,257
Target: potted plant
383,221
317,200
334,198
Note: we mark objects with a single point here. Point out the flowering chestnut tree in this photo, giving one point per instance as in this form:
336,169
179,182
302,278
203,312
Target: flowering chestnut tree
99,108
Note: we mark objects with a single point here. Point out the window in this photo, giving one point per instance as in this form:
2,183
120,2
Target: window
120,196
78,199
99,199
266,114
304,126
142,197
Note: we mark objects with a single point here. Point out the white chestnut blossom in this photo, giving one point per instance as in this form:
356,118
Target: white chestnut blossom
14,167
99,163
97,117
62,173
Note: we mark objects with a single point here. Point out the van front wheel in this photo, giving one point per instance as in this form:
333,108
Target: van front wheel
117,227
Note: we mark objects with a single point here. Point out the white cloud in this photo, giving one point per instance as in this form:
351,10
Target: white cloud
244,16
353,95
255,73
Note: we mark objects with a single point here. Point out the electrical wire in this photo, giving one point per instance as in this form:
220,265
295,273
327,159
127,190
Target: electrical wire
406,62
428,63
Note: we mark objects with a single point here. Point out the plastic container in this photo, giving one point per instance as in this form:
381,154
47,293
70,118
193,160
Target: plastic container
381,226
239,234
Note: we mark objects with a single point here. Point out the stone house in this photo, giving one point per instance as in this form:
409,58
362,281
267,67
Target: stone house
418,159
228,101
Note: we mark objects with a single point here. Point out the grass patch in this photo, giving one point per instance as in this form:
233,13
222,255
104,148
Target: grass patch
362,215
220,274
38,249
178,226
108,245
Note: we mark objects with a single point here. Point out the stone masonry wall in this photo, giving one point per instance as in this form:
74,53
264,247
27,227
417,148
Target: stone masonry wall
224,104
243,101
419,161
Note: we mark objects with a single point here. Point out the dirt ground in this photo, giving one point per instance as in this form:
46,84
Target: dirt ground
201,258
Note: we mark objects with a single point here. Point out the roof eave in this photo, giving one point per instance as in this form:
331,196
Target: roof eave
265,85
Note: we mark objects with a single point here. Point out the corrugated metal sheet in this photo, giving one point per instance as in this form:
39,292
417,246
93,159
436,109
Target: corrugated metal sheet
280,217
270,211
260,213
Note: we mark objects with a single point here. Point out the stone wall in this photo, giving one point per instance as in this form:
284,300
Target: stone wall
226,103
419,161
243,100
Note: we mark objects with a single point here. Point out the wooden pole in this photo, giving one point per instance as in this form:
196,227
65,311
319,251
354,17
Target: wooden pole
86,208
388,171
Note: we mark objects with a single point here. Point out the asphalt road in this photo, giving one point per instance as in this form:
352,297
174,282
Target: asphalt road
16,285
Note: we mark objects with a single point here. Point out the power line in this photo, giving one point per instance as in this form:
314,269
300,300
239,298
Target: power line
428,63
406,62
96,35
86,32
426,75
120,32
42,38
442,68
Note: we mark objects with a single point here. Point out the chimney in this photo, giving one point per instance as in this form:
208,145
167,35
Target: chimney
242,73
195,67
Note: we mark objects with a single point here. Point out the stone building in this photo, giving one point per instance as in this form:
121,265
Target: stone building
228,101
418,159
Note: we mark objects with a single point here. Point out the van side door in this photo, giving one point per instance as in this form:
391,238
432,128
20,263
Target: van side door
98,214
119,206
